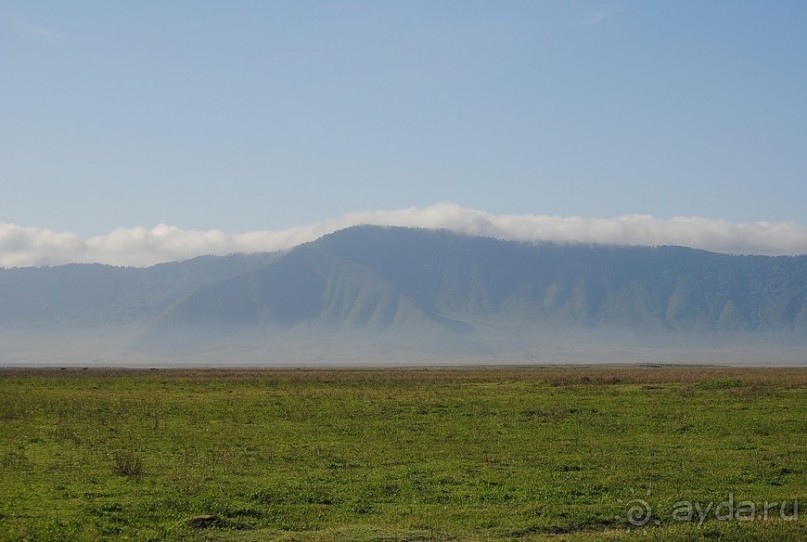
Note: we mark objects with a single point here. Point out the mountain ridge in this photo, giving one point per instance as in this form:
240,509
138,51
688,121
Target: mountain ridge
390,294
453,277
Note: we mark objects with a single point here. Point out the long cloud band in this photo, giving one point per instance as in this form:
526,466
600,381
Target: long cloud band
30,246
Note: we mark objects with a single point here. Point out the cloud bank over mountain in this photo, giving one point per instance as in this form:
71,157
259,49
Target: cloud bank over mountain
30,246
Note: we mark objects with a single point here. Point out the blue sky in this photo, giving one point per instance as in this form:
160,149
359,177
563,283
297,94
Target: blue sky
262,115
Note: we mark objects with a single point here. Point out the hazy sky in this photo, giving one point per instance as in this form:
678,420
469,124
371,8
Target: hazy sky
265,115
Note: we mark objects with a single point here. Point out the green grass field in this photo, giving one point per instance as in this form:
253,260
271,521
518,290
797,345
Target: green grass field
535,453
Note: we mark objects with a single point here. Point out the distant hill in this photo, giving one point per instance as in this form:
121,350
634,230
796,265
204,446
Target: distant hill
382,277
88,294
388,294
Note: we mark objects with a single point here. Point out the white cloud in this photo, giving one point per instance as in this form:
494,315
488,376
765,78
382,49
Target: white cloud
27,246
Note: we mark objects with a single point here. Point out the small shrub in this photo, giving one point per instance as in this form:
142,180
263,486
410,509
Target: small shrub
15,459
127,463
64,433
9,413
204,521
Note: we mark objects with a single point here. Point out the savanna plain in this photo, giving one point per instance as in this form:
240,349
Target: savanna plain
441,454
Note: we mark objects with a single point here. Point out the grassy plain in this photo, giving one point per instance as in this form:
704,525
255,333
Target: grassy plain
527,453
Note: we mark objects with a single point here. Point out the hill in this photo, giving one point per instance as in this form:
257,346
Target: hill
87,294
400,295
381,277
